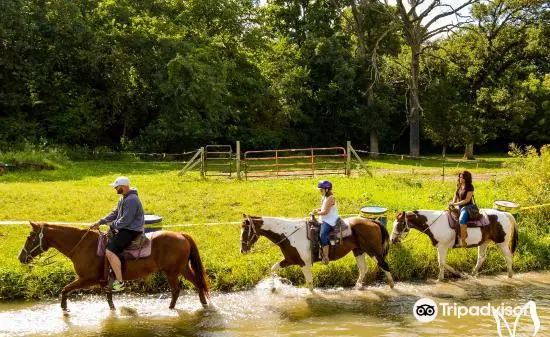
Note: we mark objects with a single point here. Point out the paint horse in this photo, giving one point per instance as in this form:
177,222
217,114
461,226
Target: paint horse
173,253
368,237
436,224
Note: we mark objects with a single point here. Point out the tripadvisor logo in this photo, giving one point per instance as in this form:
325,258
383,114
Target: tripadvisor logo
426,310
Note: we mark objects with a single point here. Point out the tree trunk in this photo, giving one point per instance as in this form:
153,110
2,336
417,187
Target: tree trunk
469,151
444,152
373,144
414,113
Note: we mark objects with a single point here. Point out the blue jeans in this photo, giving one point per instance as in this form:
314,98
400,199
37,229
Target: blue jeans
325,229
464,216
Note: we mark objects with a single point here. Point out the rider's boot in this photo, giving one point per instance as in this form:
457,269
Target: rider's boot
463,235
325,254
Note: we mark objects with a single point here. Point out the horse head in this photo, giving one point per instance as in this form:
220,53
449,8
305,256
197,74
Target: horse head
249,232
400,228
35,244
403,223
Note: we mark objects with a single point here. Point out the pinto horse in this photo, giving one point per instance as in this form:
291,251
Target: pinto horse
172,253
501,230
290,235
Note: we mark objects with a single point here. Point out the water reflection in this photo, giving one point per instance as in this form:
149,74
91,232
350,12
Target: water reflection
289,311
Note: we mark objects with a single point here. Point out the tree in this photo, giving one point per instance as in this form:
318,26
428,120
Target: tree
498,56
417,29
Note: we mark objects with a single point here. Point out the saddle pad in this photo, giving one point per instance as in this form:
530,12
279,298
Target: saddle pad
346,230
482,222
135,253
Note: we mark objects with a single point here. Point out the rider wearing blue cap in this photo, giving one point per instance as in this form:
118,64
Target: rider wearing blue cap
328,215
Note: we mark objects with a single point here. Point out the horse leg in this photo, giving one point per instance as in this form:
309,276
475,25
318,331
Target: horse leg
442,252
175,288
508,257
274,269
383,265
306,269
77,284
361,265
481,255
190,276
442,255
110,300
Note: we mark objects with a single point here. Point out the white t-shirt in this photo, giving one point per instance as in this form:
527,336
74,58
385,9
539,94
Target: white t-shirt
332,216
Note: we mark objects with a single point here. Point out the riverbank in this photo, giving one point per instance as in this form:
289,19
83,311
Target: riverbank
79,192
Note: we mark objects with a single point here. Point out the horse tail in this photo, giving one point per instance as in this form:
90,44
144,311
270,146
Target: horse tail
385,239
513,226
196,264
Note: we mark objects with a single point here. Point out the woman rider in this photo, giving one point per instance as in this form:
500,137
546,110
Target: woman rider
463,199
328,215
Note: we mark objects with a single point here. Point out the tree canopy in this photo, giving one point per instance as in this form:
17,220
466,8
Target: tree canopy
165,75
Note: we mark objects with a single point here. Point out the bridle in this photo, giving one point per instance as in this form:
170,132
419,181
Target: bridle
408,228
40,236
252,233
39,245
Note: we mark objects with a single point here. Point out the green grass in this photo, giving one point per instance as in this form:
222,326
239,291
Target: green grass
79,191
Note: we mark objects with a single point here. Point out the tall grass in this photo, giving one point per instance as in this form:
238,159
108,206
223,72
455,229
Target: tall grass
79,191
34,157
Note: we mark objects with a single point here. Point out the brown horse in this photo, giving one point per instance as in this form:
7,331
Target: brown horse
290,235
172,253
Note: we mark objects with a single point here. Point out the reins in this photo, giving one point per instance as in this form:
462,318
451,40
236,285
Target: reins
81,239
46,261
255,233
423,231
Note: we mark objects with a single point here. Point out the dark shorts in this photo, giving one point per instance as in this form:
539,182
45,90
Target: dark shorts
121,240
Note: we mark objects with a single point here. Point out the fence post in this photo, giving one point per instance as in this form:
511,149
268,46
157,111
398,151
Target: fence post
202,162
348,158
238,161
191,163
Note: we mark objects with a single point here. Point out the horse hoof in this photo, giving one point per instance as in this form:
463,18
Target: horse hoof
358,287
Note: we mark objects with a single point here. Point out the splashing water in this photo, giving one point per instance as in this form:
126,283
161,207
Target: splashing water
286,311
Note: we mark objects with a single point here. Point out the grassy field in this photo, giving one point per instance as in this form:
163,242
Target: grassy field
79,192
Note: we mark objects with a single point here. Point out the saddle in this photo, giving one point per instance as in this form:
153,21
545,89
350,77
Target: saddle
336,235
140,247
453,220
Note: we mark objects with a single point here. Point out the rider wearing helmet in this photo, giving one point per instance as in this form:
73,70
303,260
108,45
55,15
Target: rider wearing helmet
328,215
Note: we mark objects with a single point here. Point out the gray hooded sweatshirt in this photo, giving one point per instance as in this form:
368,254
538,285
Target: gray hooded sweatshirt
128,213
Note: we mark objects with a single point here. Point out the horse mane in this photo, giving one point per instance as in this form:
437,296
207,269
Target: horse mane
65,227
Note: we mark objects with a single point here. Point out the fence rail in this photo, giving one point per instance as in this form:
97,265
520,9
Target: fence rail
219,159
295,162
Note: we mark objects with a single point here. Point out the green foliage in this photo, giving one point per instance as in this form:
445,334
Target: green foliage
531,176
169,76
